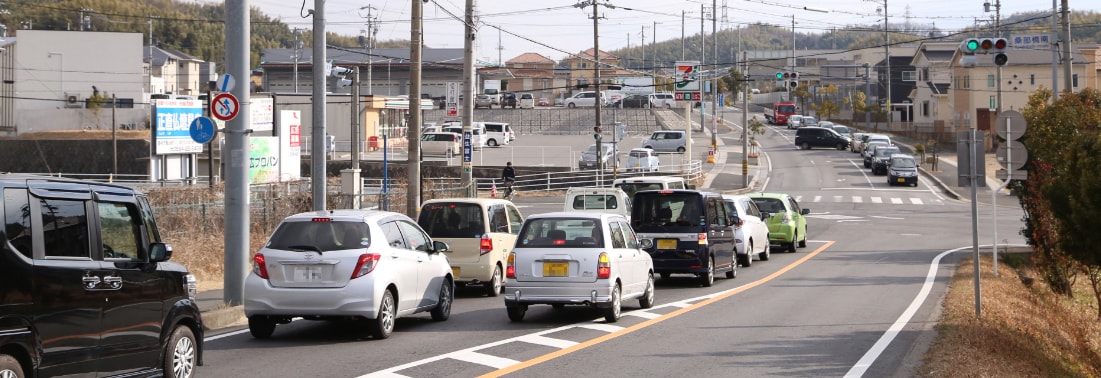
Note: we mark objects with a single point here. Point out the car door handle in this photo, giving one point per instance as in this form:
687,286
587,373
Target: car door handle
90,282
113,282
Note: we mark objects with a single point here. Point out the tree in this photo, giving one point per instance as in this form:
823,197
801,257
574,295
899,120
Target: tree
827,107
802,92
734,81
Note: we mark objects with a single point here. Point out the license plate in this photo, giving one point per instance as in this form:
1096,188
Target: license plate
556,269
307,274
667,243
900,179
455,272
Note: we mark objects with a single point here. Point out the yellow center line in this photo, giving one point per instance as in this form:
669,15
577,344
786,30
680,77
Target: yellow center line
636,327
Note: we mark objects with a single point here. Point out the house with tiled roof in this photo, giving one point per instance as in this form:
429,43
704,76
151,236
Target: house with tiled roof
531,73
581,67
932,75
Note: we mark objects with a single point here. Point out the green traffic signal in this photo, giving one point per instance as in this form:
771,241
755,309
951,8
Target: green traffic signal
972,45
779,76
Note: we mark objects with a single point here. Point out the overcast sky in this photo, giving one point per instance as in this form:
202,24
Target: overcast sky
555,28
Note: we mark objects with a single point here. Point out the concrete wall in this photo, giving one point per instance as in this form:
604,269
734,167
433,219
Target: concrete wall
81,119
54,63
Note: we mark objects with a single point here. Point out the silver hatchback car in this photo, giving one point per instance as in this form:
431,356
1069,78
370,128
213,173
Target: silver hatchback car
666,141
370,266
578,258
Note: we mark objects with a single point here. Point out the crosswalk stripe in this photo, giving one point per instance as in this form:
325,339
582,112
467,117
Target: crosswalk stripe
877,200
896,201
858,199
483,359
836,198
916,201
817,198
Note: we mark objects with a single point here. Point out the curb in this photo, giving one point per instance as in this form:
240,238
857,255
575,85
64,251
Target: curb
224,318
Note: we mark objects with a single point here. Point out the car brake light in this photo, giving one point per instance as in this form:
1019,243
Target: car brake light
510,268
485,246
258,266
603,266
366,263
322,220
702,238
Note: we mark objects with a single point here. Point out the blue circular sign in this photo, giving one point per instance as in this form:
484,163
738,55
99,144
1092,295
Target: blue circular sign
202,130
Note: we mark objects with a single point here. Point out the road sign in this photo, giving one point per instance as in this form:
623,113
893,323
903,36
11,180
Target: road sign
202,130
688,74
688,96
468,147
1017,175
224,107
1017,155
226,83
1011,125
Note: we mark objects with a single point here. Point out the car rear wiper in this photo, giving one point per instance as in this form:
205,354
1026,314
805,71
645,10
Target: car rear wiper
301,248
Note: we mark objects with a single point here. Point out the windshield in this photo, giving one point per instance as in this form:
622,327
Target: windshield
841,129
903,163
786,108
886,152
322,235
670,212
561,233
596,202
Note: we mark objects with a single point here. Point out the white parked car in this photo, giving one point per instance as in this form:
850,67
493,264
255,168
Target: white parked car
642,160
663,100
576,258
374,266
750,230
441,144
478,135
587,98
527,101
667,141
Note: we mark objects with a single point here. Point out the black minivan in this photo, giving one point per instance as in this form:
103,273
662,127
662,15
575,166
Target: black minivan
686,231
810,137
86,287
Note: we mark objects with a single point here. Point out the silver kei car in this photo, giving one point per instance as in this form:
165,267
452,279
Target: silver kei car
364,265
578,258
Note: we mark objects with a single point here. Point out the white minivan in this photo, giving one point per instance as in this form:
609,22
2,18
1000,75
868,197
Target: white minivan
478,132
632,185
600,200
498,133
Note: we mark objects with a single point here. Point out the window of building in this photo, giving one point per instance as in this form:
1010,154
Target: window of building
925,108
1074,79
1032,79
909,75
990,82
925,74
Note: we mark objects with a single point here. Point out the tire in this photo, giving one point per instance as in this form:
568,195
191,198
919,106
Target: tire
840,146
747,259
181,355
494,286
261,327
492,143
443,305
806,146
803,243
680,150
9,367
516,312
794,239
733,272
383,324
767,253
611,314
647,299
708,278
571,105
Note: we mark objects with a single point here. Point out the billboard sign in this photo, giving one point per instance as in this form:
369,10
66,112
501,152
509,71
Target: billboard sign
172,126
290,144
687,76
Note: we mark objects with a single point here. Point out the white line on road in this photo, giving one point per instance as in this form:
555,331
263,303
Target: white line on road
483,359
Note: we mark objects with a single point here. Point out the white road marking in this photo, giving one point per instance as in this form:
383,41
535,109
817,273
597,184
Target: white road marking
547,341
916,201
896,201
483,359
643,314
601,327
858,199
836,198
877,200
817,199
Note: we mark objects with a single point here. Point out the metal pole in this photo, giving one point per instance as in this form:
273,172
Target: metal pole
1054,51
319,137
596,81
297,56
413,198
114,136
357,127
703,79
1068,82
237,141
887,59
467,106
972,147
714,79
745,127
682,35
867,93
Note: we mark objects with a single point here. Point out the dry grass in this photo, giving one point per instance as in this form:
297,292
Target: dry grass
1024,331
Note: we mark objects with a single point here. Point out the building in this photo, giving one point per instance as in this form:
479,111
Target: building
291,70
930,97
174,72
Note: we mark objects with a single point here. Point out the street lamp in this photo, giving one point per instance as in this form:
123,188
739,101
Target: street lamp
60,69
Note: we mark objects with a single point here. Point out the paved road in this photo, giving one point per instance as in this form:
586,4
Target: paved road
860,300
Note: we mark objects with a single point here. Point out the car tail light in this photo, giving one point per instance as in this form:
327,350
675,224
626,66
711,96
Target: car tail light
366,263
259,267
702,238
603,266
485,246
510,266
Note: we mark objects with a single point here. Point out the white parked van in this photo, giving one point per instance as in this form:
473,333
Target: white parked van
478,132
601,200
498,133
633,185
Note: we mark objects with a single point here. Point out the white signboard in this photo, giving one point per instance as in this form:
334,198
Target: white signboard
687,76
290,145
452,99
1032,41
172,126
261,113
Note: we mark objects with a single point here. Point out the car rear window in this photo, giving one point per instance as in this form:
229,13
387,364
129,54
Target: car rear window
452,220
658,211
595,202
769,205
321,234
561,233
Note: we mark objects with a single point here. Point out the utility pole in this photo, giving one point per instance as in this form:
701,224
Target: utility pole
642,38
416,38
596,82
714,79
998,73
357,136
867,92
745,126
887,60
297,55
682,35
467,105
654,44
703,63
318,136
1068,82
236,237
372,32
1054,51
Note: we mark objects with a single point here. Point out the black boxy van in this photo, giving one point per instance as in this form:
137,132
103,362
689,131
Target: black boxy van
810,137
686,231
86,287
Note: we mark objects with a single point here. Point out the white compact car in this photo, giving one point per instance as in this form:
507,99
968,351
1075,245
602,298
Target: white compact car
750,230
373,266
578,258
642,160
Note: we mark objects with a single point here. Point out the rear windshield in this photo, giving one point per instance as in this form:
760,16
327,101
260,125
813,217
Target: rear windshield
640,154
672,212
561,233
631,187
596,202
322,235
769,205
452,220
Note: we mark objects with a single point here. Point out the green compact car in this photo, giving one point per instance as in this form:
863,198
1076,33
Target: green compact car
788,224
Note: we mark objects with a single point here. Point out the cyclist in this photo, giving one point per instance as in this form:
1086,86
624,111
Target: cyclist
508,175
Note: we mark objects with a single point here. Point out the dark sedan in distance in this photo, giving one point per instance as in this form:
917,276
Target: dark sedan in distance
633,101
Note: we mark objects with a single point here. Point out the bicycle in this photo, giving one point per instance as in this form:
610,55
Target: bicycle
509,191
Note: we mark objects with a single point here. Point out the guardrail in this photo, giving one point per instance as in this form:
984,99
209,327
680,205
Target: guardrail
557,181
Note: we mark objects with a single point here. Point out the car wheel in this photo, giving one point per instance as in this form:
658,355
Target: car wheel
9,367
803,243
611,314
708,278
647,299
492,143
383,324
840,146
668,106
866,165
733,272
806,146
767,253
516,312
746,259
182,354
571,105
493,287
680,150
443,305
261,327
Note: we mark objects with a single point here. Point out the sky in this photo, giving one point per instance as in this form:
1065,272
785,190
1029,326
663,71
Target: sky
556,28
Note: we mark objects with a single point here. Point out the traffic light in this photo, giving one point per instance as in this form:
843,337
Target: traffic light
794,84
1000,58
780,75
985,46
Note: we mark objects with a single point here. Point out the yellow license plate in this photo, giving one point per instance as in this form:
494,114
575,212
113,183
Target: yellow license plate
900,179
667,243
455,272
556,269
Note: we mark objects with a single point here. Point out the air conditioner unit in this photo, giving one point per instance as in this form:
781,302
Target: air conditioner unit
73,100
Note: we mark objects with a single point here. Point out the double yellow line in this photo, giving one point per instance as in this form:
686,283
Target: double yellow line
636,327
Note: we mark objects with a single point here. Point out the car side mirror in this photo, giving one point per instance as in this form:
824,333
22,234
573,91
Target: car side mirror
440,247
805,211
160,252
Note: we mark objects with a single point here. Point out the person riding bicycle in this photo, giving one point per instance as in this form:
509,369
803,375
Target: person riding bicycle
508,175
